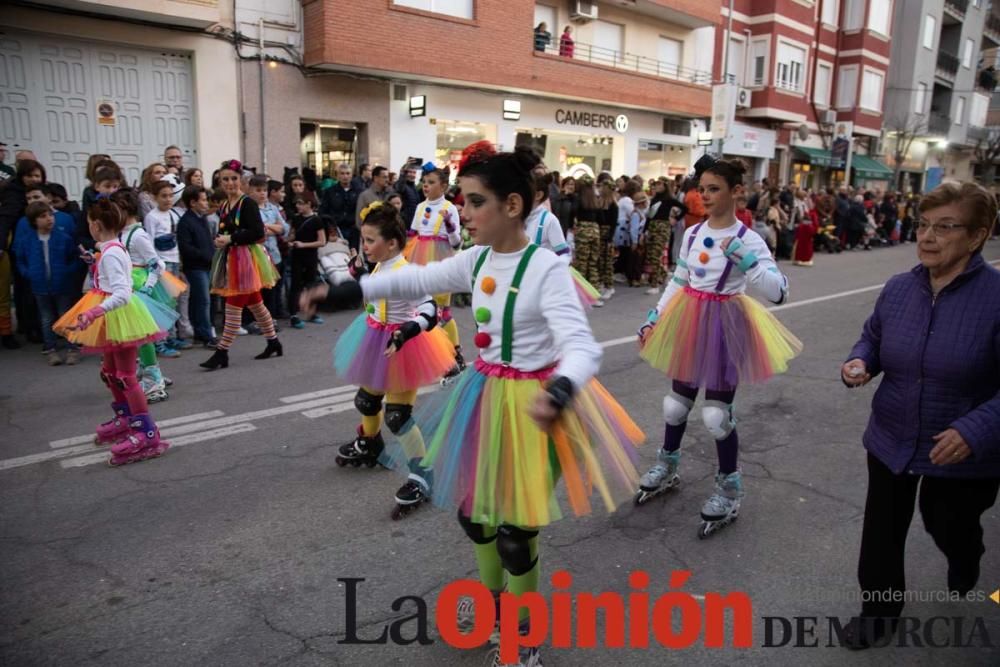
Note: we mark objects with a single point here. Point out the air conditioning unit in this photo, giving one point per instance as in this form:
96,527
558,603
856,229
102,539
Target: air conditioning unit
829,117
743,98
584,10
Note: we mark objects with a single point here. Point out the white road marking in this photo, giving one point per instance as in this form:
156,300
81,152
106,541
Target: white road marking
333,391
102,456
175,421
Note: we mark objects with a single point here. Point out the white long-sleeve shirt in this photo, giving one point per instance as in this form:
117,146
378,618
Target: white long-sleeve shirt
158,223
398,311
543,229
114,275
142,252
705,276
442,220
550,326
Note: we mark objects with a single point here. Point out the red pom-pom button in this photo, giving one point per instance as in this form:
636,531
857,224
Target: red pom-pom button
482,340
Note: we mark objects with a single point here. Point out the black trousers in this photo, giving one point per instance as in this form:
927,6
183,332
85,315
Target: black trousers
305,272
950,507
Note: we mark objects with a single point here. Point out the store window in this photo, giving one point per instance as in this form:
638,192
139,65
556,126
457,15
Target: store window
453,136
568,153
659,159
462,9
323,146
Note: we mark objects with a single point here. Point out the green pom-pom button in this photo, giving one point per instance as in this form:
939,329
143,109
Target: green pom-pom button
370,308
483,315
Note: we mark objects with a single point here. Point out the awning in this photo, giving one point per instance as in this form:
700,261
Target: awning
870,169
816,156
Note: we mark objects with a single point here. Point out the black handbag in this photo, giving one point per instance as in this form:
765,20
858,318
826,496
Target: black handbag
167,242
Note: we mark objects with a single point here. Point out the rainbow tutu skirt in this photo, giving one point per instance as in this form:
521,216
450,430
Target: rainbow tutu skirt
162,299
128,326
426,249
589,295
359,357
242,269
491,460
718,341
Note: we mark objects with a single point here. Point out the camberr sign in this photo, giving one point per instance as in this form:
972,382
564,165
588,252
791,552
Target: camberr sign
591,119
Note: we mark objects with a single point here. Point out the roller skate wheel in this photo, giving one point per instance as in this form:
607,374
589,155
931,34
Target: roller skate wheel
341,461
398,512
371,464
355,462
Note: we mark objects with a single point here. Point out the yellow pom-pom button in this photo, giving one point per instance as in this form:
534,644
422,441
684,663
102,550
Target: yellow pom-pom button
488,285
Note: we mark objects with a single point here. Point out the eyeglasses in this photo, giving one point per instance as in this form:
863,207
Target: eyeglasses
939,228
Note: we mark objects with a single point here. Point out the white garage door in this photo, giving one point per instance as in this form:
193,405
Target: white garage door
50,90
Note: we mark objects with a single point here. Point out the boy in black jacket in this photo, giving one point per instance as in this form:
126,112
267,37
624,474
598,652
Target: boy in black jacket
194,240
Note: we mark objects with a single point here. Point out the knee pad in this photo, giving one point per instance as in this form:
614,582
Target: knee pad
475,531
718,418
676,408
107,378
124,382
398,417
513,545
367,404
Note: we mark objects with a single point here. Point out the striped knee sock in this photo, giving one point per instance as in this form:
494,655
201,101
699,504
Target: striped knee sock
264,321
231,326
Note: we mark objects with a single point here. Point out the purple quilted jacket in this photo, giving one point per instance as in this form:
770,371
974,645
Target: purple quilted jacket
941,364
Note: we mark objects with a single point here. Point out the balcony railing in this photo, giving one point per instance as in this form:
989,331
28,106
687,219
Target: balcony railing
939,123
977,134
947,63
992,27
958,6
631,62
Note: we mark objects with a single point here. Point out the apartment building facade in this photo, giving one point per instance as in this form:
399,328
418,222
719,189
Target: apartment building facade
936,105
807,69
629,97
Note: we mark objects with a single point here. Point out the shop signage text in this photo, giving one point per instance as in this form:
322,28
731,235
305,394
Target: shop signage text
590,119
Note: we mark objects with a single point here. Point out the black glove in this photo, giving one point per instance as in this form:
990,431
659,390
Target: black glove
561,391
404,333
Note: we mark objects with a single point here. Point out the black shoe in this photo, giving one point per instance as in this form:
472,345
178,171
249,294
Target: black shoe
211,343
273,347
864,632
9,341
218,360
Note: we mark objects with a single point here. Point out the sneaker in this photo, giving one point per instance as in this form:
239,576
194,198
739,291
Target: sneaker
55,359
241,332
72,357
297,323
608,293
48,350
599,303
167,352
653,290
316,319
181,344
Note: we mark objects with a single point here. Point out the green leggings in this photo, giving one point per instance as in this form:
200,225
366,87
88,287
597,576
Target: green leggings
147,354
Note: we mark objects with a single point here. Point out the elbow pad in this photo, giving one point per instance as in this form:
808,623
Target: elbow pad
430,318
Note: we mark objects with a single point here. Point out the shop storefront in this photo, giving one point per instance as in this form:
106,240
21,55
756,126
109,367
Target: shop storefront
870,174
755,145
323,146
573,138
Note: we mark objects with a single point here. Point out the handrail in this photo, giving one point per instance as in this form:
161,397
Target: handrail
599,55
948,62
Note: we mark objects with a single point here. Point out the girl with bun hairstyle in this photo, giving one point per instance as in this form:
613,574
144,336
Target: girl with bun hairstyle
528,411
241,267
705,332
114,321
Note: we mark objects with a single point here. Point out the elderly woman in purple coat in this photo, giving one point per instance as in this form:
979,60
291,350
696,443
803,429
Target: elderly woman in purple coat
935,422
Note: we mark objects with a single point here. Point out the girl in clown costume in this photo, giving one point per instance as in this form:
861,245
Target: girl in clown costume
705,332
391,350
114,321
544,230
434,235
529,410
